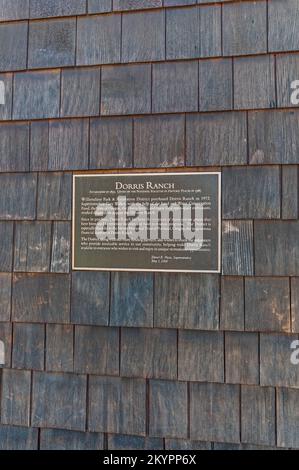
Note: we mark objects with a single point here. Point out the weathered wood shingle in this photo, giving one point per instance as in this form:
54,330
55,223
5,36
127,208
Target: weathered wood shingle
18,438
13,40
232,303
283,20
58,439
16,10
99,6
6,246
59,348
241,358
237,247
15,397
215,85
6,103
17,196
14,147
54,196
287,417
32,246
41,9
80,92
5,296
61,247
28,346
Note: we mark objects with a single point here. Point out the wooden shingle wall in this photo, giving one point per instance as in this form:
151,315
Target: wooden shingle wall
149,361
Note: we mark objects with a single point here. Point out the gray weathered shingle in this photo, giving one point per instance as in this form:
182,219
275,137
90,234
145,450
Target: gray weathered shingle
287,417
241,358
59,401
99,6
258,415
42,9
186,301
5,296
175,87
214,412
136,4
184,444
271,256
17,196
28,346
6,246
232,303
52,43
215,85
132,299
54,196
14,147
96,350
61,247
15,397
237,247
267,304
168,409
182,33
32,246
59,348
18,438
254,82
159,141
16,10
251,193
210,31
6,106
245,28
290,192
117,405
39,145
143,36
80,92
111,143
90,298
98,40
36,95
13,40
148,353
58,439
126,89
295,304
287,72
283,31
6,338
216,139
41,298
123,442
201,356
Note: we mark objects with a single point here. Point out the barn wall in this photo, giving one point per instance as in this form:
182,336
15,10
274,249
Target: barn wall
138,360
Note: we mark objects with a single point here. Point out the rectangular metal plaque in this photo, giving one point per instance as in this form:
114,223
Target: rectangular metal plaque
147,222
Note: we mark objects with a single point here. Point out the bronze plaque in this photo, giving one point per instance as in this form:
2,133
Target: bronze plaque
147,222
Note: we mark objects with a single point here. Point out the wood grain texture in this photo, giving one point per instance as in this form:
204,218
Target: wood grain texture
241,358
267,304
295,304
40,9
98,40
143,36
36,95
126,89
54,196
32,246
251,193
96,350
6,246
186,301
258,415
13,39
80,92
283,33
175,87
68,392
215,85
14,147
16,10
214,412
124,442
132,299
6,338
117,405
90,298
41,298
28,346
290,192
182,33
59,348
148,353
52,43
184,444
254,82
174,3
270,134
61,247
232,303
237,247
15,397
245,28
159,141
216,139
276,368
99,6
287,71
39,145
58,439
201,356
18,438
5,296
210,31
271,256
111,143
136,4
287,418
68,144
17,196
168,408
